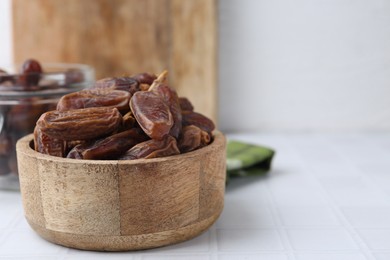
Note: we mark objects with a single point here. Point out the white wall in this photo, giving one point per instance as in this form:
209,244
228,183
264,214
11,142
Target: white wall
304,65
5,32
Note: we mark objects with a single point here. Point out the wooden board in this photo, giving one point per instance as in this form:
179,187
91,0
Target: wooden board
121,37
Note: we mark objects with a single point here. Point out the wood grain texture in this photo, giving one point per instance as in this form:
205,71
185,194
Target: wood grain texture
122,205
168,201
80,198
30,184
194,56
124,243
122,37
212,183
116,37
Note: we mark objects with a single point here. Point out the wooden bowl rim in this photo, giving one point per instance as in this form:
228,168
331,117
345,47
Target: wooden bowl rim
23,146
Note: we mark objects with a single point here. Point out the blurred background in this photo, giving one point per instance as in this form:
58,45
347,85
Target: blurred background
252,65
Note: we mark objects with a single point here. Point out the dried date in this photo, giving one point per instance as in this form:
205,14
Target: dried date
192,138
199,120
152,149
31,73
74,76
128,121
157,110
95,98
128,84
152,114
145,78
185,105
110,147
46,144
172,100
80,124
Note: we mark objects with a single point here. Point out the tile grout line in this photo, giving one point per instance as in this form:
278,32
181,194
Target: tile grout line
279,225
363,175
281,228
366,179
370,183
335,208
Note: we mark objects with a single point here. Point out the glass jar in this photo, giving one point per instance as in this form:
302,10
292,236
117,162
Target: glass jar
21,106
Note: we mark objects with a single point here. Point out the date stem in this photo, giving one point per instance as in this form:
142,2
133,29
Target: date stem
160,79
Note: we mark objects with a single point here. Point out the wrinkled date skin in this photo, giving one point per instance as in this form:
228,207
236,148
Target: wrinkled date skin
193,138
199,120
172,100
158,110
110,147
80,124
128,84
95,98
48,145
152,149
152,114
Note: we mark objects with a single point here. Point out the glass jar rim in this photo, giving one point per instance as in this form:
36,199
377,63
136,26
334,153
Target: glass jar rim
52,81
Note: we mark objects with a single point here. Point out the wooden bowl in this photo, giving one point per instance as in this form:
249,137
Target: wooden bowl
122,205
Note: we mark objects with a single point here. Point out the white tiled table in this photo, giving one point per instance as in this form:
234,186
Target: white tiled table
327,197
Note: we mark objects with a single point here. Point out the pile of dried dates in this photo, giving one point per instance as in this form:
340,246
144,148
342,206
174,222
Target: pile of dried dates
123,118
